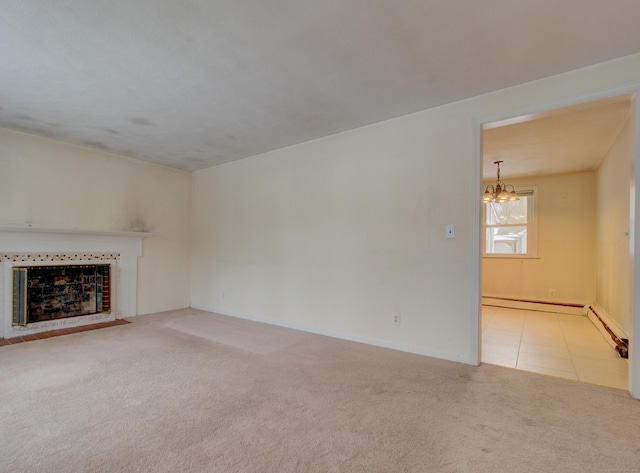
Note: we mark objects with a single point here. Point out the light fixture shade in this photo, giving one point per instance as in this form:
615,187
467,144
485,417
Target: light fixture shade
487,196
513,196
502,197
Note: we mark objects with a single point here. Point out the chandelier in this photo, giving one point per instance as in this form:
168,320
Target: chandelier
499,192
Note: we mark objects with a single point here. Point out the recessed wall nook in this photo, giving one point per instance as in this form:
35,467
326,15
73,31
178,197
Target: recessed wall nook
55,278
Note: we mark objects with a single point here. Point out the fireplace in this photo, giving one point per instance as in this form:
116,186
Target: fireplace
53,279
43,293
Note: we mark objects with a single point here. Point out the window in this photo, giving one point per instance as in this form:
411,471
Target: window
509,228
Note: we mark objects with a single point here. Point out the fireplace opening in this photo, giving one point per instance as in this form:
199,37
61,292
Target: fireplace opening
42,293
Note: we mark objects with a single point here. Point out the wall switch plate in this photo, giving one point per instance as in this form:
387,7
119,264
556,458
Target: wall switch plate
450,231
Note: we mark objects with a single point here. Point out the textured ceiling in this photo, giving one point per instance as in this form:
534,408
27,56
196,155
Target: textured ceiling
191,84
569,139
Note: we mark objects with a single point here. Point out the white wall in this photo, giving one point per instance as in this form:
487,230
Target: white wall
614,264
566,245
45,183
334,235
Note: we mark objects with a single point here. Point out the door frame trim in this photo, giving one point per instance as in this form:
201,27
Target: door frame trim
633,90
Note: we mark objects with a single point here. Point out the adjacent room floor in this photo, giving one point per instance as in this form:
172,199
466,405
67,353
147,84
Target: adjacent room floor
567,346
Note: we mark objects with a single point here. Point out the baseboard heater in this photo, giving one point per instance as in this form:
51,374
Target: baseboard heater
533,301
621,344
532,304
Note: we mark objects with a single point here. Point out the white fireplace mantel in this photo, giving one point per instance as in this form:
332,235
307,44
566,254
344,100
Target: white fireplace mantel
70,231
52,241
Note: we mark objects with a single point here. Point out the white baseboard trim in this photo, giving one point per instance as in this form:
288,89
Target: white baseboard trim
540,306
595,310
343,336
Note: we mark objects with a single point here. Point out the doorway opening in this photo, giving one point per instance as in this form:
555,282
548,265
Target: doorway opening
574,163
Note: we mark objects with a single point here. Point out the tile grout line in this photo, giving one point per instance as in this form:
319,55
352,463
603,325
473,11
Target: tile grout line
564,337
524,321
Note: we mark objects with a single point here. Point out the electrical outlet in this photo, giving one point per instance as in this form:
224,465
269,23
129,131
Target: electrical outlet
395,319
552,293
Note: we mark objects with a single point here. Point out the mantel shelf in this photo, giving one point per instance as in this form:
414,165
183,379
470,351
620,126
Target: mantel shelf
71,231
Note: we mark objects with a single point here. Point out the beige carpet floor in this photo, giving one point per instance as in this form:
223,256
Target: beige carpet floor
160,396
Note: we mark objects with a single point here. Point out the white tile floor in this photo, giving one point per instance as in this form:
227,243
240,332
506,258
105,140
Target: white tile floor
567,346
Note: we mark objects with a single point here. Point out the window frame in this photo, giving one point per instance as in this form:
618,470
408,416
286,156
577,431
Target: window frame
532,226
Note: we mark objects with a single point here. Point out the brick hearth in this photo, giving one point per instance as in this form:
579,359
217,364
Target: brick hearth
57,333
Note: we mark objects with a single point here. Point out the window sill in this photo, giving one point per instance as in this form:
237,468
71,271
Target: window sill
511,256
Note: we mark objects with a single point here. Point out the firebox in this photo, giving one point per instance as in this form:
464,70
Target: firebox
42,293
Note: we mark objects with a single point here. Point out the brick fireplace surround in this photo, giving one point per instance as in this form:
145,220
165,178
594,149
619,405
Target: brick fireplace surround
30,246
